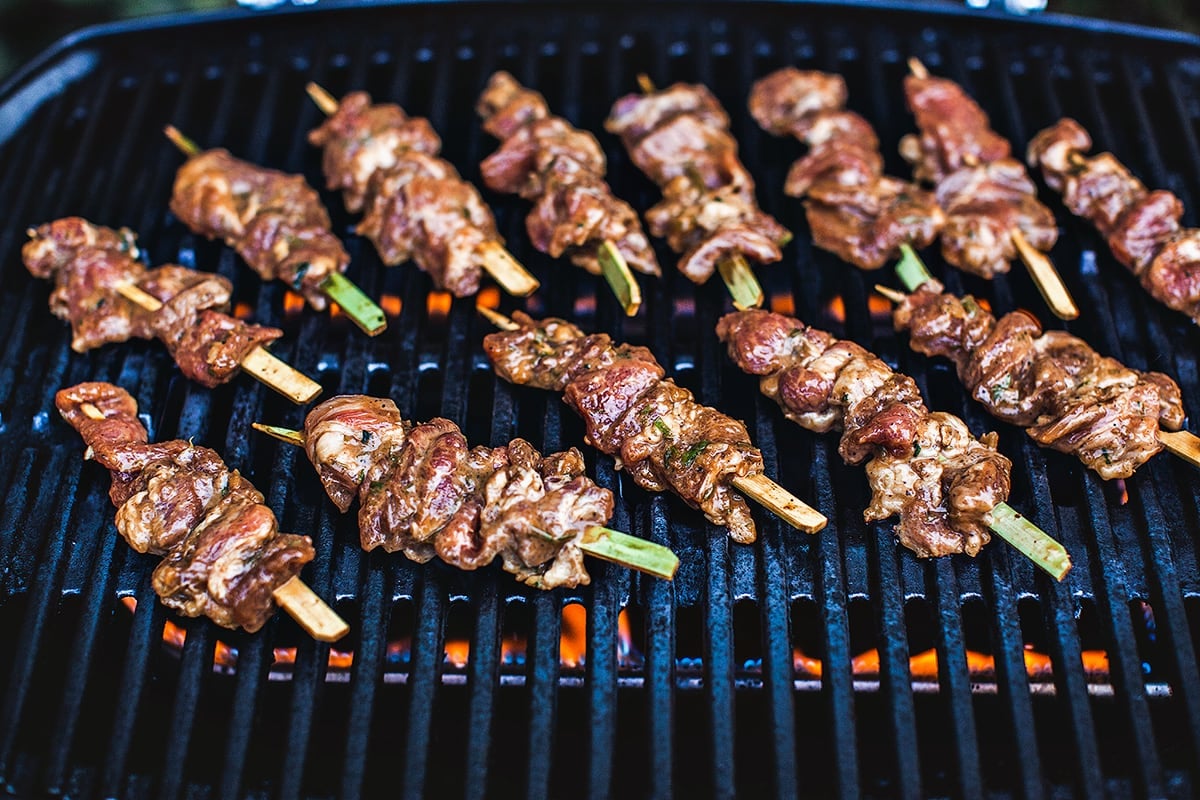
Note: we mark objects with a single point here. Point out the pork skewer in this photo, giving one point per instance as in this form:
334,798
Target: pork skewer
947,486
853,209
275,222
545,159
108,295
416,204
679,137
223,554
993,214
1141,227
423,491
654,428
1053,384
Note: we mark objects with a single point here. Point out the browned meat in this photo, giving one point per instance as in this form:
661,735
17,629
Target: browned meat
679,137
854,210
1141,227
955,131
425,492
88,262
561,168
416,205
653,428
223,555
1069,397
925,467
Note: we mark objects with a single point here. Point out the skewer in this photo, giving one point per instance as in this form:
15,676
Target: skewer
759,488
295,597
620,279
495,260
735,271
278,374
361,309
1041,269
597,541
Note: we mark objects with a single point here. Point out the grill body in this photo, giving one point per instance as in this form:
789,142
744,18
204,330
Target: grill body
710,696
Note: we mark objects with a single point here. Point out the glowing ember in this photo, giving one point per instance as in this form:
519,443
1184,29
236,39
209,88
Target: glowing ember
879,307
488,297
1124,490
923,666
391,304
437,304
783,304
243,311
572,646
294,303
837,308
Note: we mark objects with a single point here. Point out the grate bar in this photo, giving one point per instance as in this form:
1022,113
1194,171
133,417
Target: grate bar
955,681
368,664
659,601
196,661
425,677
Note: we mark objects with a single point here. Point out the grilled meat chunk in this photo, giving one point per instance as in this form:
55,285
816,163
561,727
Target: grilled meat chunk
925,467
955,131
560,168
1067,396
654,428
223,554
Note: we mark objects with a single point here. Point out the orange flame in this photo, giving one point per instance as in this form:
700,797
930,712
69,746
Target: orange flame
783,303
923,666
585,304
243,311
488,297
837,308
1124,487
294,303
879,307
391,304
438,305
572,645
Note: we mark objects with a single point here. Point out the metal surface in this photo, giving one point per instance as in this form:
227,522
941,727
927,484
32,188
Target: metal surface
711,703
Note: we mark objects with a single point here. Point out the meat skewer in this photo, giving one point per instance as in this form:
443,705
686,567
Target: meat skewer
1053,384
423,491
993,214
223,554
654,428
108,295
275,222
948,487
679,137
1141,227
853,209
561,168
417,206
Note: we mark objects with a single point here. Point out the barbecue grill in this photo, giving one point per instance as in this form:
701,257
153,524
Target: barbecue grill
833,664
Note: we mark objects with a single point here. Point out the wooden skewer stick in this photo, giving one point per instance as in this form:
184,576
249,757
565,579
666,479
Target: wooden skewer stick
1184,444
278,374
620,279
759,488
735,271
493,258
362,310
597,541
295,597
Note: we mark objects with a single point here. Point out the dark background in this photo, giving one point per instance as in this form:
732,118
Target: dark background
28,26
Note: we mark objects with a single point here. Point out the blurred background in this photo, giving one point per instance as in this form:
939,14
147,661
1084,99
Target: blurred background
28,26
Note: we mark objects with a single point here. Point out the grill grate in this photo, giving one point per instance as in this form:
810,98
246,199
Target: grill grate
712,702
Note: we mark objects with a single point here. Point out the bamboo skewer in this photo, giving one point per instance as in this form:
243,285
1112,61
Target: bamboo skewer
361,310
295,597
597,541
759,488
1041,269
624,286
493,258
275,373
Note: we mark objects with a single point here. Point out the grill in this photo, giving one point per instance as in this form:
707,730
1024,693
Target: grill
836,664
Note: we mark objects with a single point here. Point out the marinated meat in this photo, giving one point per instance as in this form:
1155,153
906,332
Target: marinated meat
955,131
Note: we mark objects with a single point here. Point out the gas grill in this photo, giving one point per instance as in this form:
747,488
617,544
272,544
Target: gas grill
833,664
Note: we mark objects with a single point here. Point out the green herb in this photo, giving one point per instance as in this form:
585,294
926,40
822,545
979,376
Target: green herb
366,436
845,398
796,332
101,303
301,270
663,428
916,448
376,486
999,387
1107,457
970,305
225,489
690,456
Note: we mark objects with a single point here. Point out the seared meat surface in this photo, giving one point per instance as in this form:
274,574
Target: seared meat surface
425,492
925,467
560,168
853,209
88,262
679,137
1142,227
417,207
1067,396
274,221
223,554
654,428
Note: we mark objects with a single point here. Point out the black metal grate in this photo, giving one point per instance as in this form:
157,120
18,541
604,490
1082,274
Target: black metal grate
710,702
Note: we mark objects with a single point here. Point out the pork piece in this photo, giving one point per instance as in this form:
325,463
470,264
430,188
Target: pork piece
853,209
416,206
983,205
1066,395
274,221
223,554
653,428
679,137
925,467
955,131
560,168
425,492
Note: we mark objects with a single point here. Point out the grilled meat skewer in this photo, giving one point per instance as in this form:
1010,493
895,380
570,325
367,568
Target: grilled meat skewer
853,209
223,554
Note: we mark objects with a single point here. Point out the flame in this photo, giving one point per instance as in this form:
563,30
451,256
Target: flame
488,297
837,308
243,311
572,645
783,303
437,304
585,304
879,307
924,665
1124,488
294,303
983,303
391,304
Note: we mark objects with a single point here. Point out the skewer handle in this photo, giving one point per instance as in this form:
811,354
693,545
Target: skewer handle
496,318
781,502
620,279
310,611
1045,277
1184,444
629,551
324,100
911,269
185,145
1031,541
361,309
740,280
506,270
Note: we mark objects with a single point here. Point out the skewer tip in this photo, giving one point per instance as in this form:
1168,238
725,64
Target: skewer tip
185,145
323,99
1045,277
891,294
645,84
286,435
319,620
506,270
917,68
781,502
496,318
616,271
